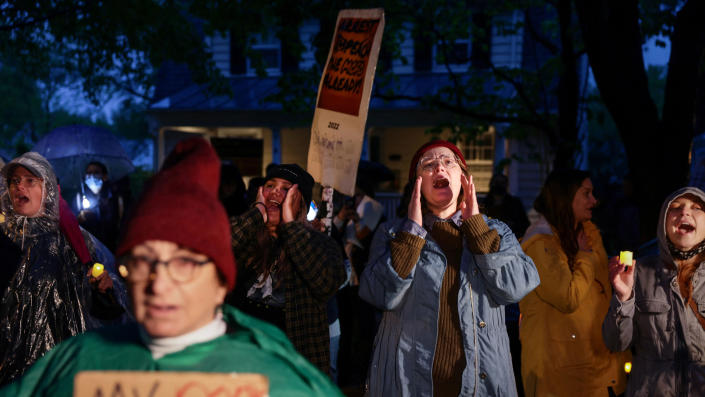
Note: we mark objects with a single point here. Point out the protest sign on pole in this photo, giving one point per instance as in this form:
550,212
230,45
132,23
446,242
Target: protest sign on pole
344,98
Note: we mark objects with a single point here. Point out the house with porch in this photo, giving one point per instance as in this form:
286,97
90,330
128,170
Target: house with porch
251,131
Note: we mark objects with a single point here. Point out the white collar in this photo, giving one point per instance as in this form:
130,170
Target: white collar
163,346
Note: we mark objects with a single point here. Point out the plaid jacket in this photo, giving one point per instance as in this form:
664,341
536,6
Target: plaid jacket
317,273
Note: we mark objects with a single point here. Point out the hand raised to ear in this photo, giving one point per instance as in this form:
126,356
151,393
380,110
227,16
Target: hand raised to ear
414,212
261,205
291,204
468,206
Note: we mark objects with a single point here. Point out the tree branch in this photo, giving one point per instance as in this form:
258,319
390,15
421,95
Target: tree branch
54,13
521,92
453,76
464,111
537,36
127,88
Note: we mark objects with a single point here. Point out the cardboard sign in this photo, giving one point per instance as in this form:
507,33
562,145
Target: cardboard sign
168,384
344,98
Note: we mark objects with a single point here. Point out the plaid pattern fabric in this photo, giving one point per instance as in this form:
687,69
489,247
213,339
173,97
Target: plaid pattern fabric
243,230
317,273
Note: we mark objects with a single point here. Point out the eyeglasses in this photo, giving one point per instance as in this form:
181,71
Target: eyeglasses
181,269
428,164
25,181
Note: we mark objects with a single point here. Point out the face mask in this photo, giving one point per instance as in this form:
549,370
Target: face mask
94,183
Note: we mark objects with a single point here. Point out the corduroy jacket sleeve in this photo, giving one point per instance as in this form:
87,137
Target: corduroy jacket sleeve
244,229
315,256
479,237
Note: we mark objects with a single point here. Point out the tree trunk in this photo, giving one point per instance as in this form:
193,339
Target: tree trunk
656,151
568,90
679,109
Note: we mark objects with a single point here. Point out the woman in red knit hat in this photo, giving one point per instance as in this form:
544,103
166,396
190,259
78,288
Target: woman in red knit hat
442,277
177,260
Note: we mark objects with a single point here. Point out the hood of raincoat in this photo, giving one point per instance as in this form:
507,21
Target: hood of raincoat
47,220
664,252
48,297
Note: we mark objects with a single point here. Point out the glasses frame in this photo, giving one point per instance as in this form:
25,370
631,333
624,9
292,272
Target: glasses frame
153,263
435,161
20,180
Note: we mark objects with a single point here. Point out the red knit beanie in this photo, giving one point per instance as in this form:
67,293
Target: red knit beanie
428,146
180,204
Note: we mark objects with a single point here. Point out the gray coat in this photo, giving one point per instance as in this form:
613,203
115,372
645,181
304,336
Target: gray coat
402,360
667,340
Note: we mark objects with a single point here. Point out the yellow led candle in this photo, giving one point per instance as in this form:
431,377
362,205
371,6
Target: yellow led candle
625,258
97,269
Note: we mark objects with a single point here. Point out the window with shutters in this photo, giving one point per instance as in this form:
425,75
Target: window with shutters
453,55
423,54
264,51
267,52
456,55
481,41
479,154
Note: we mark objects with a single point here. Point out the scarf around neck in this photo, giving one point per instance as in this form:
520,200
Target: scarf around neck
683,255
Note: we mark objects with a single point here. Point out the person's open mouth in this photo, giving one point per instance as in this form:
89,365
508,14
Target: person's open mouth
21,200
685,228
440,183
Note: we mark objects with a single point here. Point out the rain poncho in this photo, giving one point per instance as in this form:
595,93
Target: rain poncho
45,290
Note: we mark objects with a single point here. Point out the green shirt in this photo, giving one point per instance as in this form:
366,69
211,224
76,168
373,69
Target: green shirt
250,346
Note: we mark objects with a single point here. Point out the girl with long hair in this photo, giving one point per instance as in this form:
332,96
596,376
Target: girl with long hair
289,271
562,349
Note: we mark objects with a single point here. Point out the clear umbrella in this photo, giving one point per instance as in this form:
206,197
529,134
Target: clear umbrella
69,150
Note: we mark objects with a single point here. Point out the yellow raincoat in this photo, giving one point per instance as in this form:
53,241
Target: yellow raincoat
562,349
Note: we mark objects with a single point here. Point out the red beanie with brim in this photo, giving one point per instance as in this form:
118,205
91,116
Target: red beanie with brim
428,146
180,204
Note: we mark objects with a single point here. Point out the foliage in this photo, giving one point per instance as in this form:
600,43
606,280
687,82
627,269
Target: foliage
656,133
480,93
20,105
606,153
108,44
117,46
658,17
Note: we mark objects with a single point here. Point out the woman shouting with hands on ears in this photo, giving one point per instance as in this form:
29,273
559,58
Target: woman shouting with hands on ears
442,276
289,270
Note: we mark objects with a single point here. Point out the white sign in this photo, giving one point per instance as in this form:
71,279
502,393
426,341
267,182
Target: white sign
344,98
